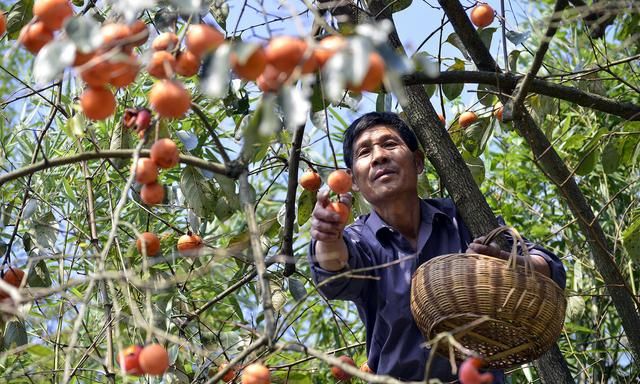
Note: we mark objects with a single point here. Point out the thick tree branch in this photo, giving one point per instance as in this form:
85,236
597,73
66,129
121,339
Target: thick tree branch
506,82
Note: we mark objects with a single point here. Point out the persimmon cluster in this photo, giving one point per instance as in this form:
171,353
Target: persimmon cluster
136,360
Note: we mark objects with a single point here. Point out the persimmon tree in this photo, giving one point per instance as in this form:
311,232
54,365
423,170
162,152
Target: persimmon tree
198,252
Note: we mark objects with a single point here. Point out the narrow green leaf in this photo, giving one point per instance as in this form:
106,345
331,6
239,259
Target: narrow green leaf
306,201
39,275
486,35
19,15
197,192
39,350
513,60
476,166
297,289
15,334
575,308
455,40
631,239
611,156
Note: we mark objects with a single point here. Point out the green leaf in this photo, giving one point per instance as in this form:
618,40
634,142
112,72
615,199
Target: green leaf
486,35
220,11
513,60
587,163
575,308
40,350
397,5
517,37
476,166
631,239
383,102
476,136
611,155
46,230
306,201
198,192
487,98
297,289
19,15
455,40
451,91
430,89
15,334
39,275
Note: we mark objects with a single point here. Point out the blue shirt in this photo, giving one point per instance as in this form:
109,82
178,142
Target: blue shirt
394,342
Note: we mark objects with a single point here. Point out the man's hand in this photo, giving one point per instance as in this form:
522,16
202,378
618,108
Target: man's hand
326,225
493,249
326,228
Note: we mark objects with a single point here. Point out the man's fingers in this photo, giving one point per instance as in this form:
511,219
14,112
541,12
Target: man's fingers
484,250
323,214
324,236
347,199
323,226
322,197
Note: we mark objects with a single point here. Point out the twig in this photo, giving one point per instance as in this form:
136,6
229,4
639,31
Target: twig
258,257
207,125
290,204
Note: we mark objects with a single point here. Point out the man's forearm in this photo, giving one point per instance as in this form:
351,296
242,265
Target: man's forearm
332,256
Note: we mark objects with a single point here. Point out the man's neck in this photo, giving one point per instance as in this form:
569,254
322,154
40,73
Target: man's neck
402,214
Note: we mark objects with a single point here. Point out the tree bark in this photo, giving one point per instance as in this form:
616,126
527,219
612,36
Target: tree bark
552,165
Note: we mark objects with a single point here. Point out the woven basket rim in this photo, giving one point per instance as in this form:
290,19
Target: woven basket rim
520,269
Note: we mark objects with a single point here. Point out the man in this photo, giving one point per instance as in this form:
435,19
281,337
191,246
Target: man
382,155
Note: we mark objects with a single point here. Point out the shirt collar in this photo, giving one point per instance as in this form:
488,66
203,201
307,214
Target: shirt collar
429,208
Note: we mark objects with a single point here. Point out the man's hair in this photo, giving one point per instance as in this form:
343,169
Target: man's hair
370,120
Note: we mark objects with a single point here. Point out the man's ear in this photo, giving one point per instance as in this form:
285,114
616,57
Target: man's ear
354,186
419,160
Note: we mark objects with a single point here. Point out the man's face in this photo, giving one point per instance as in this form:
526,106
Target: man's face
383,166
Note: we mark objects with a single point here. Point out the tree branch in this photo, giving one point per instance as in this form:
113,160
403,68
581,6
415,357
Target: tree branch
290,204
506,82
231,172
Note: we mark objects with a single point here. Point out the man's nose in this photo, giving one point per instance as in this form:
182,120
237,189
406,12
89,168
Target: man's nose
379,155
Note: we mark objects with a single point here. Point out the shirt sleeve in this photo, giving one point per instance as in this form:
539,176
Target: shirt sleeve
345,287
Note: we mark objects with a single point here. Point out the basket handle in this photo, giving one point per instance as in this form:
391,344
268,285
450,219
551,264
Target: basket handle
517,239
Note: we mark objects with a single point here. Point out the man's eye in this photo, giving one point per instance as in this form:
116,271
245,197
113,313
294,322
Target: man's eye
363,152
390,144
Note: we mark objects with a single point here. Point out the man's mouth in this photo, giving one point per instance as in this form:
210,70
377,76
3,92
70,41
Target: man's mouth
381,172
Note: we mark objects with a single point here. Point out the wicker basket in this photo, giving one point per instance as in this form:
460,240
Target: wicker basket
507,313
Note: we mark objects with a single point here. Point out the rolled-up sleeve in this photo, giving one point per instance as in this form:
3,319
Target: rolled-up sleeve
345,287
556,269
